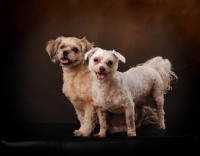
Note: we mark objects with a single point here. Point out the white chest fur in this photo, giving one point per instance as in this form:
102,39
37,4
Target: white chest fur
111,95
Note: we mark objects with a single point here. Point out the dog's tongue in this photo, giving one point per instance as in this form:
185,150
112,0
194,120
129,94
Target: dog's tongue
64,61
100,75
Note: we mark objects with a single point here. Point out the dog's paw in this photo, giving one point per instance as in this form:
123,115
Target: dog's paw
161,127
99,135
80,133
131,134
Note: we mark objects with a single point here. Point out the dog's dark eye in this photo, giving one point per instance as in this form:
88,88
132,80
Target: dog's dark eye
95,60
75,50
110,63
61,47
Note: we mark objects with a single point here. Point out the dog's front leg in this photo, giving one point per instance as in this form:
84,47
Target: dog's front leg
130,121
102,121
87,120
90,120
80,115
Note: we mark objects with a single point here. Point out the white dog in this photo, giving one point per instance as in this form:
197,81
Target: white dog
120,92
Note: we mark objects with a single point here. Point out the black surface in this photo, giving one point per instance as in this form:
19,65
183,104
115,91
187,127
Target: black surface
53,139
63,131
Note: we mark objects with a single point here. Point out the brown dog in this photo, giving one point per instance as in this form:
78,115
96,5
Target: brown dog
69,52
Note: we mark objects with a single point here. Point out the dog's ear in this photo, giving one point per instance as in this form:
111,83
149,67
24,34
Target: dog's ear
52,47
86,45
119,56
90,53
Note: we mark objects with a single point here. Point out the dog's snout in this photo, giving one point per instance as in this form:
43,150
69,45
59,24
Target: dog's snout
101,69
65,53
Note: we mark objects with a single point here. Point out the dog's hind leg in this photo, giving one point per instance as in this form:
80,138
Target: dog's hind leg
150,116
116,123
159,102
130,120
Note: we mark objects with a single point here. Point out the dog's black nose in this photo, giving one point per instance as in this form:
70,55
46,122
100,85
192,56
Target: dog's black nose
101,69
65,53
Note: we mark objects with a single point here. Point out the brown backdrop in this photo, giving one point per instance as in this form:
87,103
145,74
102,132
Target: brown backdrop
138,29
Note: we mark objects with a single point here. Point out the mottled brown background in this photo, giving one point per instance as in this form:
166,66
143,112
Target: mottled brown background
138,29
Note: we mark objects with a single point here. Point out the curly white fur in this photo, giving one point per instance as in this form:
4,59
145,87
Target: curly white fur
120,92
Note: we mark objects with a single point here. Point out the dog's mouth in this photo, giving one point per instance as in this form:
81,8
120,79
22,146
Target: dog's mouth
100,75
65,61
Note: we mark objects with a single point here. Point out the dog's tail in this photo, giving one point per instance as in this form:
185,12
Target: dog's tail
164,67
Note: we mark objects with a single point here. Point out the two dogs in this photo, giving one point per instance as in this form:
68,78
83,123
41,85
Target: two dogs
68,52
120,92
